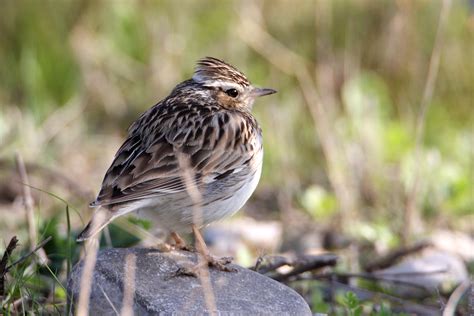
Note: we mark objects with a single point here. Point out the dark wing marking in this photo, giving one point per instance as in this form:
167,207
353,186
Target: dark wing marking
148,163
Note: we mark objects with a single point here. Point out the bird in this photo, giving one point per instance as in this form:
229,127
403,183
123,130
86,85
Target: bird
193,158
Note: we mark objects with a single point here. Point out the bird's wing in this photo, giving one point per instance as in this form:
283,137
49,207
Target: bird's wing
166,146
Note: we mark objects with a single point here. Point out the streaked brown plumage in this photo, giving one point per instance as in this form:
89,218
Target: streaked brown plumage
206,123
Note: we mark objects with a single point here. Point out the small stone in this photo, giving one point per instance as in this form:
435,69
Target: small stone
445,239
159,290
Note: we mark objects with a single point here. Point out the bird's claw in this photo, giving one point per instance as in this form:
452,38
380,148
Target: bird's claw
220,263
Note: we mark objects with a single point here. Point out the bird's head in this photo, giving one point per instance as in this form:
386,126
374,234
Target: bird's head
227,85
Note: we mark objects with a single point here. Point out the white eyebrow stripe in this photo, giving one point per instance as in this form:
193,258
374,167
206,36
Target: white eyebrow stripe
223,84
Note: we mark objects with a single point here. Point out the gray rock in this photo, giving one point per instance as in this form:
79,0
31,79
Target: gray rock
157,290
434,270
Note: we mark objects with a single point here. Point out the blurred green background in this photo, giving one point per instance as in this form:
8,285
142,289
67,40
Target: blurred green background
346,142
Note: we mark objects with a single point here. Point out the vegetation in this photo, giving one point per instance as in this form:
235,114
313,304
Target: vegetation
370,134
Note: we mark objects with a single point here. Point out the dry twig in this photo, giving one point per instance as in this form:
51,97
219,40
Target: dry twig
308,264
28,202
3,263
300,264
395,255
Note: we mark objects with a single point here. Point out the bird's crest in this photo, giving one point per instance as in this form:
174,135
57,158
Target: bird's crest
210,70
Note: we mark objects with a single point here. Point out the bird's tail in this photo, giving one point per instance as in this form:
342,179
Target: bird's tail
99,220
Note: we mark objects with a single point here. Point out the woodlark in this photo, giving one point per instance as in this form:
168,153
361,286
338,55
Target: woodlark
193,158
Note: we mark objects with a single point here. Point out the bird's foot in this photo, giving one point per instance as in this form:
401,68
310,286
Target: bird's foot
180,244
220,264
184,247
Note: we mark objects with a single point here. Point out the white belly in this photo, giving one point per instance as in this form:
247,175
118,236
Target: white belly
171,217
225,208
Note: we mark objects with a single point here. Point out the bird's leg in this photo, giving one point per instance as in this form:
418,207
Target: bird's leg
219,263
201,247
179,242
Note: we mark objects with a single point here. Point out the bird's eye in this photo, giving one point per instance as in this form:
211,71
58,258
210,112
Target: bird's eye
232,92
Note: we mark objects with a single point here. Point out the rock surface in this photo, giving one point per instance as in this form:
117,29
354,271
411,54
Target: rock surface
157,290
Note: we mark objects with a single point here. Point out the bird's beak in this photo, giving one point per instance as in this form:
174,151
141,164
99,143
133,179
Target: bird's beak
260,92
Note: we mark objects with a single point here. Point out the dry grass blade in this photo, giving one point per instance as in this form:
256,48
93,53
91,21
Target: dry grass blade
192,190
35,249
195,195
107,298
459,292
129,285
91,248
411,214
255,35
28,202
